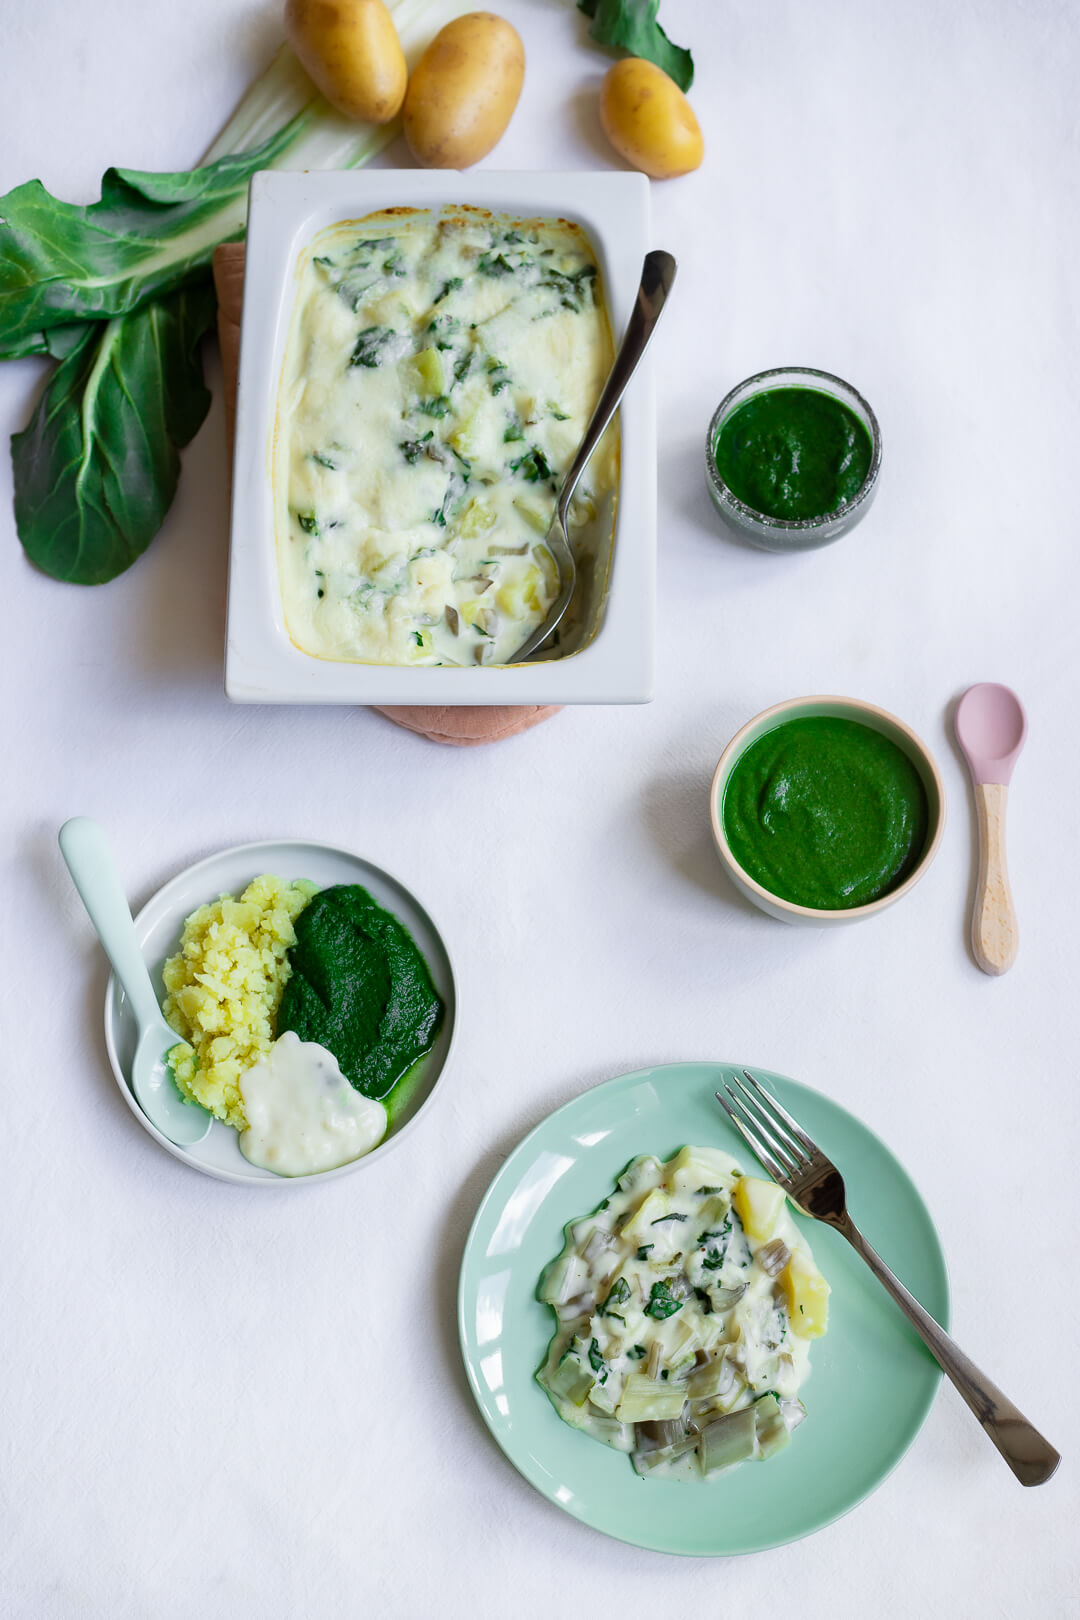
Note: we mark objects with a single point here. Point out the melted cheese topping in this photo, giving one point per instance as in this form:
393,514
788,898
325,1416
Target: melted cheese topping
439,375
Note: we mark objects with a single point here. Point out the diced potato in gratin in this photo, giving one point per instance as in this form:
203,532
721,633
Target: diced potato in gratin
686,1304
439,375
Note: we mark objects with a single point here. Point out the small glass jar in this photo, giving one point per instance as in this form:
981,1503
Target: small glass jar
788,534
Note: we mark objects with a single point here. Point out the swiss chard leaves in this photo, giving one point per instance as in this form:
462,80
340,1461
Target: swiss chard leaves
62,263
662,1302
97,466
631,25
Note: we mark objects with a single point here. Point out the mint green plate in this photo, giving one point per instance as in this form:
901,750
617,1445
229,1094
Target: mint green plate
871,1384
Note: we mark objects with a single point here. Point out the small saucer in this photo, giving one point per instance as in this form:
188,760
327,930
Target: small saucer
159,925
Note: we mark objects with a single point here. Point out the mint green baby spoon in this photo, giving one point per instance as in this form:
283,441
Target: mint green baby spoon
90,862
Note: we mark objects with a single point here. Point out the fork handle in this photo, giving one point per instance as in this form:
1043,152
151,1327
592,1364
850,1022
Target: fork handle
1031,1458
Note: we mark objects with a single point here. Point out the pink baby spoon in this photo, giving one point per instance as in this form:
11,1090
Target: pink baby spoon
990,728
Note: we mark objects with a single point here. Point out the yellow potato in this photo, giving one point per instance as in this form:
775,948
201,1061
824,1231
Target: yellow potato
463,91
351,50
758,1204
649,121
807,1295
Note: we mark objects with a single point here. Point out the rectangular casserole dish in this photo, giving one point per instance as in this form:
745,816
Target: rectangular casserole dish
262,663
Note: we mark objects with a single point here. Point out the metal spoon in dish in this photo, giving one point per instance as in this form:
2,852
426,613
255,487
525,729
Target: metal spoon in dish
90,862
990,728
657,277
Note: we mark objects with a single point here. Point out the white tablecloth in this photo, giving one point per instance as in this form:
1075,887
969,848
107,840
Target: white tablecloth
203,1388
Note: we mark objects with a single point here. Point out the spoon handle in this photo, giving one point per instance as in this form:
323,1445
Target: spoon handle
90,861
995,937
657,277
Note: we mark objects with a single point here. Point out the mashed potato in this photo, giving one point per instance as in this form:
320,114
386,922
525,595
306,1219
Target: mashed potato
224,986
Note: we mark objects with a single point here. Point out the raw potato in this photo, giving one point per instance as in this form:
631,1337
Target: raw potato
351,50
649,121
463,91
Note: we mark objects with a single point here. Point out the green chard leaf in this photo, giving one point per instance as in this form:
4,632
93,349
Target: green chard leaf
631,25
377,345
149,233
96,468
91,485
618,1294
533,466
662,1302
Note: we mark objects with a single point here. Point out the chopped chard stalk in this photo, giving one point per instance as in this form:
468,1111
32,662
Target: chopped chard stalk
773,1257
728,1439
724,1298
646,1461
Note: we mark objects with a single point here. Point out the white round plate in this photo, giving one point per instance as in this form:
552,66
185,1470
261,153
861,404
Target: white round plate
159,925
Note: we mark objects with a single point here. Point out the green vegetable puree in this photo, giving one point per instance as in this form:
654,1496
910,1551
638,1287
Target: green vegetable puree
793,453
360,987
825,813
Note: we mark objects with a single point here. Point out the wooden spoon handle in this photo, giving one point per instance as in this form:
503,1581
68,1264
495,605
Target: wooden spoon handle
995,937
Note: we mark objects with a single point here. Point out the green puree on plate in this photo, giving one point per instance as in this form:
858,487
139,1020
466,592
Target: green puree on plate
361,989
825,813
793,453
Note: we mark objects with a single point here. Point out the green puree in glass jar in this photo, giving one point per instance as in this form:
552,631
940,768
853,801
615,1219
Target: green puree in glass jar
793,453
825,813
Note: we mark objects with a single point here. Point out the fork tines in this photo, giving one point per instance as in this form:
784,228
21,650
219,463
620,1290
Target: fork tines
766,1126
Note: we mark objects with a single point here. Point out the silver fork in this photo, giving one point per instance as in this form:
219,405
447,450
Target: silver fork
816,1186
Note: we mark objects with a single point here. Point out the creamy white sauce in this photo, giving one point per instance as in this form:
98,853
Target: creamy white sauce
439,375
663,1283
303,1115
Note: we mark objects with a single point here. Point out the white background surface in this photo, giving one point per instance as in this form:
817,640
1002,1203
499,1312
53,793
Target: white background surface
223,1403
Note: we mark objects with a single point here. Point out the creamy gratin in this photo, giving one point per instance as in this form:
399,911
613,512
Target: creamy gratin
685,1305
439,375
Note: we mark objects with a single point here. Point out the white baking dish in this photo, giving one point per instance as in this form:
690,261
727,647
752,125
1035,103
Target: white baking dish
262,665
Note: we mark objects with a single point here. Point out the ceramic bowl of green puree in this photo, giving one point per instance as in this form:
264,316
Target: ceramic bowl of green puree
826,810
792,459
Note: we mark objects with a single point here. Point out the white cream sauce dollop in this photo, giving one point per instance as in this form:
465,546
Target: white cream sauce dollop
303,1115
